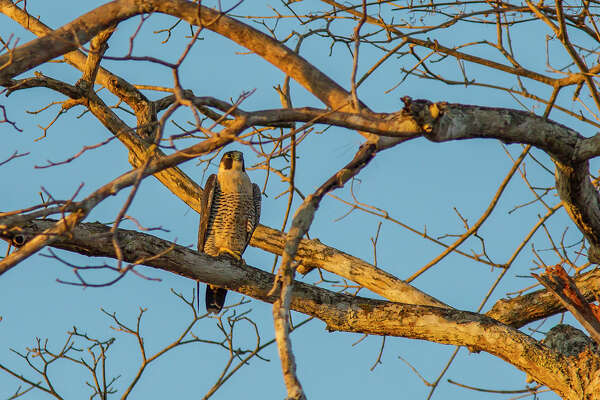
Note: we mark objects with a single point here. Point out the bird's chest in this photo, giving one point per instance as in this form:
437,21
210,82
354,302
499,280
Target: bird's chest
231,210
230,215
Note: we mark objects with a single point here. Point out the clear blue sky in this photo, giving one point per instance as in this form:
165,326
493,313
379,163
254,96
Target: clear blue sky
418,182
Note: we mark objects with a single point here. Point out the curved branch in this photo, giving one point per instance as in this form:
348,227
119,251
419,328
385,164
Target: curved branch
343,312
461,121
84,28
534,306
303,218
568,149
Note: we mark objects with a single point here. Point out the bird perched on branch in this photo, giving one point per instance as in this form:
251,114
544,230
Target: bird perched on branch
230,213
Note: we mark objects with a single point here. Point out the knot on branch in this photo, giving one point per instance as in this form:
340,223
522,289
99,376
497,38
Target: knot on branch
425,112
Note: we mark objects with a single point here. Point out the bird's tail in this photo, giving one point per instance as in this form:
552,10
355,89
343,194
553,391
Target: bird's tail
215,299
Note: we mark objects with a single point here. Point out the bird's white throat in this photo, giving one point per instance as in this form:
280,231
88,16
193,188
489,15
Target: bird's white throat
233,180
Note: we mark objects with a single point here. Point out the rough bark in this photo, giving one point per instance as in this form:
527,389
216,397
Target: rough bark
573,378
534,306
313,253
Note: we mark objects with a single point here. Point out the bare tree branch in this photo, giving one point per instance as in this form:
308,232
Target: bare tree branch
347,313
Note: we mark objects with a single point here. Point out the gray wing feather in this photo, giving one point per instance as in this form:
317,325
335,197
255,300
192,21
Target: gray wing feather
254,216
206,201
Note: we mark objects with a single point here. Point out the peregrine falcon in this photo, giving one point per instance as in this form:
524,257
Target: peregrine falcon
230,213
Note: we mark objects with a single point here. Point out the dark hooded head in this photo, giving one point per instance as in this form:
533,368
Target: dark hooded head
233,160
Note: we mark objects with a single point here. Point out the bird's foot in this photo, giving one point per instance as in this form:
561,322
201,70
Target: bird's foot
232,253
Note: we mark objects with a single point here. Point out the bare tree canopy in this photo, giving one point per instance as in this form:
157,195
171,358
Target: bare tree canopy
382,217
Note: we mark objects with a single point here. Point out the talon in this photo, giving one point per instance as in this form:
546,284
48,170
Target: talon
232,253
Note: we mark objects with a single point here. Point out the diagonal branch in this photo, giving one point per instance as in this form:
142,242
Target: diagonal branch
533,306
98,47
339,311
91,239
314,254
69,37
285,276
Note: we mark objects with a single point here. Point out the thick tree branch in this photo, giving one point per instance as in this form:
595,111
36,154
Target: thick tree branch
383,124
515,312
142,107
568,149
314,254
43,239
98,47
78,59
461,121
581,202
80,31
343,312
533,306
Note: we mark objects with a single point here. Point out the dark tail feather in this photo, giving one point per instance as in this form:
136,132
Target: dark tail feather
215,298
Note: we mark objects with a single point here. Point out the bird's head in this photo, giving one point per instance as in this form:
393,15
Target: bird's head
232,161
